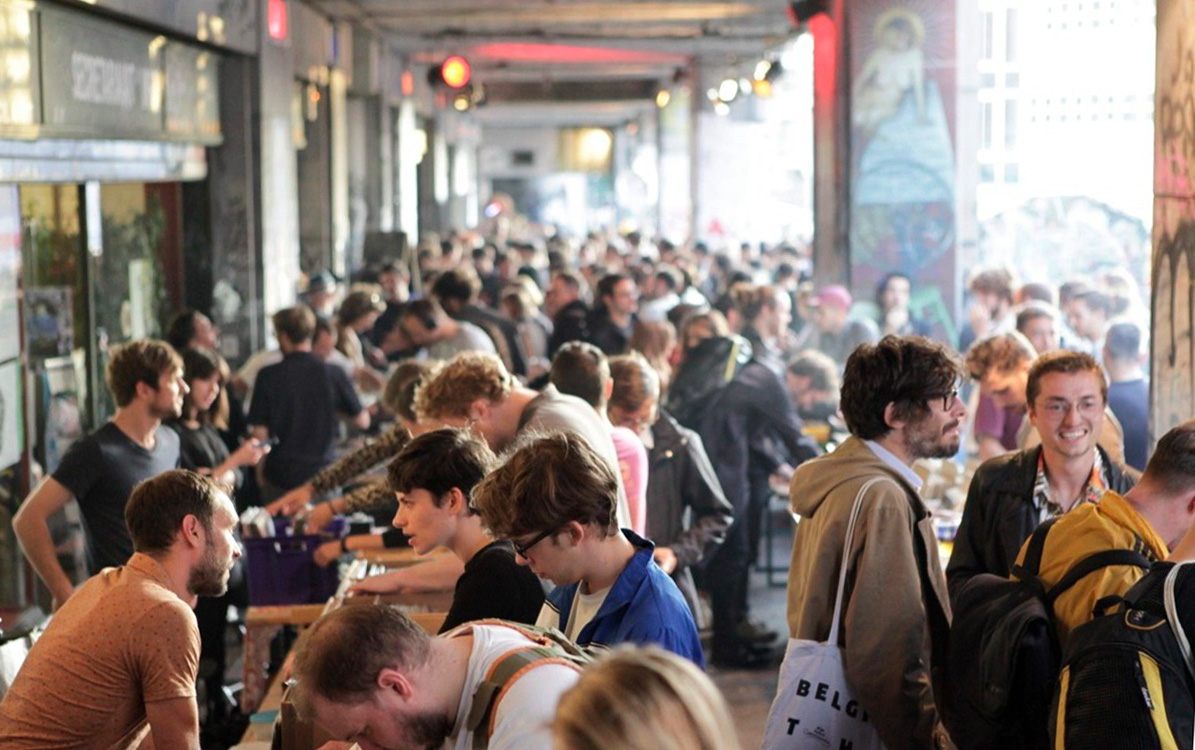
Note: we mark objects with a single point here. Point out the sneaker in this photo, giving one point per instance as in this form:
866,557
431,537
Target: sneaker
755,632
746,656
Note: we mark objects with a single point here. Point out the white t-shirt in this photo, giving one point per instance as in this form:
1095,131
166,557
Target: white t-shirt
585,608
525,712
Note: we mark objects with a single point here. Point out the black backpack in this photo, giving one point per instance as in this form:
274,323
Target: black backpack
1127,680
1004,655
704,373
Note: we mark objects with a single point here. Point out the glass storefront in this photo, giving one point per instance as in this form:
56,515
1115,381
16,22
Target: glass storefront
85,290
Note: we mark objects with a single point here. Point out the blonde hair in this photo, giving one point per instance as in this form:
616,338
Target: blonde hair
656,341
467,377
647,699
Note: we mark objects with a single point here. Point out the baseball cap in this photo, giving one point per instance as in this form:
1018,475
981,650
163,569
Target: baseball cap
834,295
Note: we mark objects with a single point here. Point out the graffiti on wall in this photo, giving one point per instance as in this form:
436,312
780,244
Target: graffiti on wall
1172,384
902,166
1171,358
1081,236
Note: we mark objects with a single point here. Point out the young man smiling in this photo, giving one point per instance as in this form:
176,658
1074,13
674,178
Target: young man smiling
555,499
433,476
1000,365
1011,494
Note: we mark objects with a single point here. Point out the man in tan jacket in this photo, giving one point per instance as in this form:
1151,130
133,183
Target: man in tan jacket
900,402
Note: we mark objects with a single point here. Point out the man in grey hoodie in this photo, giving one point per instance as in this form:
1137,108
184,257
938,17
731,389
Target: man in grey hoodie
900,402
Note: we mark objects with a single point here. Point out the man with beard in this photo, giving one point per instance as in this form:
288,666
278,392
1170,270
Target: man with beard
369,675
119,660
146,381
900,402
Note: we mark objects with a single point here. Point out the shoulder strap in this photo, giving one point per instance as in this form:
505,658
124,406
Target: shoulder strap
1176,625
1092,563
846,553
1030,567
546,648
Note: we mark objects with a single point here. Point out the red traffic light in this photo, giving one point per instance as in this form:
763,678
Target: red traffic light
455,72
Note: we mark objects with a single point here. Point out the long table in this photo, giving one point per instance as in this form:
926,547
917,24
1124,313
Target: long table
262,697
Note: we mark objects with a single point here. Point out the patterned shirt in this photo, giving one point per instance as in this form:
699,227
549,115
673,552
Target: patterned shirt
382,448
1047,507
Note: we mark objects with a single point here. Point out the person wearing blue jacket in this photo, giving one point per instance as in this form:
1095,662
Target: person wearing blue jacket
554,498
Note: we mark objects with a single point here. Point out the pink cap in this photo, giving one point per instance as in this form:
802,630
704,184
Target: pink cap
834,295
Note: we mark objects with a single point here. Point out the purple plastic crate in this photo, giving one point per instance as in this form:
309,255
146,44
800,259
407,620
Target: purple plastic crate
282,570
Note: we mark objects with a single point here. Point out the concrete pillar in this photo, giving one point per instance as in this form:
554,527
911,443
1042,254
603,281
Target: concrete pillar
277,196
1172,379
886,184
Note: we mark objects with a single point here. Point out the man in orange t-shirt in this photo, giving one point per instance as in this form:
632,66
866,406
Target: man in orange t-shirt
119,659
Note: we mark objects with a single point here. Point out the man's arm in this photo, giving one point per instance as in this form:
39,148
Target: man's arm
712,512
967,559
31,524
173,723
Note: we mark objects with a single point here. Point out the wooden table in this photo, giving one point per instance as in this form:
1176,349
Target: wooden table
396,557
261,695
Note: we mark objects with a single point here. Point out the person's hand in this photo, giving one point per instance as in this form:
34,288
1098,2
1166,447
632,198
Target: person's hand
327,553
250,452
665,558
385,583
292,502
320,516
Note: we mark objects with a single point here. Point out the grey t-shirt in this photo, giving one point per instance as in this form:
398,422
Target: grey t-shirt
469,338
100,471
553,411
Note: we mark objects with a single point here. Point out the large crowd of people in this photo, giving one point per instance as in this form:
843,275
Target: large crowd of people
594,431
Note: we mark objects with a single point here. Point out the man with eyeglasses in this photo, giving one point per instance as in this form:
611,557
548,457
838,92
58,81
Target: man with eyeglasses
1151,518
900,402
1000,366
1011,494
555,500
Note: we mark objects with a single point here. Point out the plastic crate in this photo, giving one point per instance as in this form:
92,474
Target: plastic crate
282,570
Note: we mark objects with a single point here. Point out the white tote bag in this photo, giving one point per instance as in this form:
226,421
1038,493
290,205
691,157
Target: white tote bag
814,706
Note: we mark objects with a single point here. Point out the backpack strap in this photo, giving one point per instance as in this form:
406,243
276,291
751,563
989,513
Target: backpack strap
1031,566
502,675
1092,563
548,646
1103,604
1176,625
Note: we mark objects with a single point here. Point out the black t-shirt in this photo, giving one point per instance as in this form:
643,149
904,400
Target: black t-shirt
100,471
495,585
298,399
200,447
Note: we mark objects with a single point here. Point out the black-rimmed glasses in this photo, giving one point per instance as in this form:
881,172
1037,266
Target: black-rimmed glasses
948,399
522,548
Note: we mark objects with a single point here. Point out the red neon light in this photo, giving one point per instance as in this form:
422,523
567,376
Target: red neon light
277,20
825,55
531,52
408,83
455,72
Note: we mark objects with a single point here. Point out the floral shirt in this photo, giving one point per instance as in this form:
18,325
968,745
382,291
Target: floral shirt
1048,507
